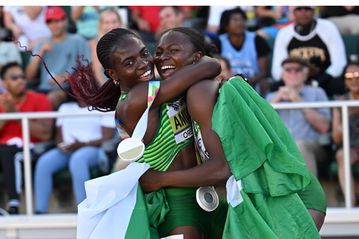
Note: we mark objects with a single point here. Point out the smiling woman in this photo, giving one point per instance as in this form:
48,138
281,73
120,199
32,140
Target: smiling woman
130,70
241,140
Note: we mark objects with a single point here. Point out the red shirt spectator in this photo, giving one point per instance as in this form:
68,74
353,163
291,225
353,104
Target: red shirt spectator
33,102
146,17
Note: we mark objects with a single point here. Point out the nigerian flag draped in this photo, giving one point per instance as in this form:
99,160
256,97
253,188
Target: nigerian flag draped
115,207
267,168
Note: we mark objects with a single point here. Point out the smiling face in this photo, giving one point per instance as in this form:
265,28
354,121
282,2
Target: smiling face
174,51
132,63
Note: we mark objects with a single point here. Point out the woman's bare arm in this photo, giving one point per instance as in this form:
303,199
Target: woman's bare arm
136,102
201,99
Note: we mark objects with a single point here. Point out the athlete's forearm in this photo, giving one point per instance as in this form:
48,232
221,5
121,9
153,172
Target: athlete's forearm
212,172
181,80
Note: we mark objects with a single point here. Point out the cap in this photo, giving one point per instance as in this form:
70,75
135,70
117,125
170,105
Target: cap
54,13
295,59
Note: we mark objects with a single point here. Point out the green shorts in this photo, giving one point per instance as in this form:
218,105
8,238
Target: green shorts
185,211
313,196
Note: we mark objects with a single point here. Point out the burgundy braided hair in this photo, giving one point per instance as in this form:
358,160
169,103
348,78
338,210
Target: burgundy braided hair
82,81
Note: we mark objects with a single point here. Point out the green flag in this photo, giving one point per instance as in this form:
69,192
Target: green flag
263,156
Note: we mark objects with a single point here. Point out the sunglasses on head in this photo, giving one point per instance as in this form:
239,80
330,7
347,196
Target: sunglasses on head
293,69
17,77
351,75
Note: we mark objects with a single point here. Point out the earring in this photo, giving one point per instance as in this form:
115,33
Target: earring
116,83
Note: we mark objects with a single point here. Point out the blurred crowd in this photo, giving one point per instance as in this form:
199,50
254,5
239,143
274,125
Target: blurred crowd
287,53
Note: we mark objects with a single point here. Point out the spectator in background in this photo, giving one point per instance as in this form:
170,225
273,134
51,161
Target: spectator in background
248,53
226,72
351,78
170,17
8,50
214,17
344,17
78,148
215,13
27,24
60,53
306,125
86,19
270,19
109,19
319,42
18,99
146,20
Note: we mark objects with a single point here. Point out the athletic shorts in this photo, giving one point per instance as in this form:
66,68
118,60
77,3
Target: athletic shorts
185,211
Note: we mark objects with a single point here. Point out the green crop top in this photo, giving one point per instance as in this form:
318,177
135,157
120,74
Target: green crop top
173,134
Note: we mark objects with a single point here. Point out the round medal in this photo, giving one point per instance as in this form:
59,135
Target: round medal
130,149
207,198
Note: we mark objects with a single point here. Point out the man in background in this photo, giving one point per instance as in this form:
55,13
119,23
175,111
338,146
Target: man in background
307,126
18,99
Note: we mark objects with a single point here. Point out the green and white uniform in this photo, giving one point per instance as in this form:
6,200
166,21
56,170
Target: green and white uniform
172,207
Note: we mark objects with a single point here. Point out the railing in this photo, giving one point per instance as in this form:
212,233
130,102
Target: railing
25,117
345,125
335,217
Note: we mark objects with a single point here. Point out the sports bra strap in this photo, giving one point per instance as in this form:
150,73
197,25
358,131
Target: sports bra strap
141,127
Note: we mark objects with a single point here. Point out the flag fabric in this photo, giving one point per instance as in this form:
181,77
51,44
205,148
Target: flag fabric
267,172
264,158
112,203
116,207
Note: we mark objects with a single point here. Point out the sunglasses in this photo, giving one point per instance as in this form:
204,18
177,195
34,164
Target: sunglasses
303,8
17,77
351,75
293,69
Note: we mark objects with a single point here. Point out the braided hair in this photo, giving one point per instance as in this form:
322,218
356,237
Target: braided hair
83,83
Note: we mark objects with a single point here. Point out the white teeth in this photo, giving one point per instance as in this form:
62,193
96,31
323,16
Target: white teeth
147,73
167,67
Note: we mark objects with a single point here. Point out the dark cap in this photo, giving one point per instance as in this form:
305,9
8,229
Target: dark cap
295,59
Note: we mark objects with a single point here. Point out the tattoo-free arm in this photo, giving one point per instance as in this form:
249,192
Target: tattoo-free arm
201,99
174,86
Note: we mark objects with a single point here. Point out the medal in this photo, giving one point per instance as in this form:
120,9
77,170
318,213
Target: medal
130,149
207,198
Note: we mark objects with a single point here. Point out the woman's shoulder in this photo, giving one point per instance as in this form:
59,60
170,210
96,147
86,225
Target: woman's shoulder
205,91
205,87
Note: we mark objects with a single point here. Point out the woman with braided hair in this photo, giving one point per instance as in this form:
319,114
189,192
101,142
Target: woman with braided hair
169,146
